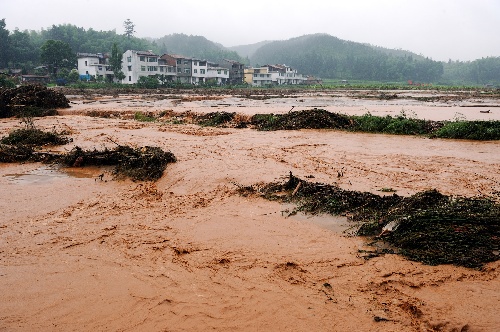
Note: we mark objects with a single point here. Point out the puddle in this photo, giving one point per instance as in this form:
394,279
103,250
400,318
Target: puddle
48,173
337,224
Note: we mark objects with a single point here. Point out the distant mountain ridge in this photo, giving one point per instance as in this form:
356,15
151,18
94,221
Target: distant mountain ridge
330,57
196,47
250,49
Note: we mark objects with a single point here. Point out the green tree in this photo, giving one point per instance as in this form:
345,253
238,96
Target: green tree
129,28
116,62
73,76
5,42
57,54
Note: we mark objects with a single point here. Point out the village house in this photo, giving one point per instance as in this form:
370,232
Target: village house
273,75
186,70
93,66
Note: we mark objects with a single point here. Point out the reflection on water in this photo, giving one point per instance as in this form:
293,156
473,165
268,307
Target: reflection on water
48,173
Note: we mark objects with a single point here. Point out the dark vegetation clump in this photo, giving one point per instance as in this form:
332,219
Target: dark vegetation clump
428,227
139,164
215,119
21,144
307,119
16,153
34,137
32,100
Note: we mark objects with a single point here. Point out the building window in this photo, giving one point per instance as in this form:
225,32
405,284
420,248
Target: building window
151,59
262,75
86,72
195,71
86,63
142,58
179,70
130,78
255,75
202,71
186,62
162,69
143,68
195,63
179,61
187,70
129,59
225,72
129,68
218,71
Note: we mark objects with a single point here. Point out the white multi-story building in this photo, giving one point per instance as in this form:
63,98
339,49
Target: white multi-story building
139,63
273,75
93,66
167,68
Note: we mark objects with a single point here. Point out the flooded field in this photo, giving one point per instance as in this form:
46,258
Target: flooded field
80,251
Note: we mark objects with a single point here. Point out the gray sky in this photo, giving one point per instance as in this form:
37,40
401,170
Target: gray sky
440,29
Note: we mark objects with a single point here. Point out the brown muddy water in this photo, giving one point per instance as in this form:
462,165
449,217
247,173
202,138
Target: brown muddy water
188,253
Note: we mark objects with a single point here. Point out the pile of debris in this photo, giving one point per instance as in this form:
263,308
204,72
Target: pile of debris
140,164
428,227
24,144
30,100
307,119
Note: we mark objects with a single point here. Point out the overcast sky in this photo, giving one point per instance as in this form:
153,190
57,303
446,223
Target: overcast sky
440,29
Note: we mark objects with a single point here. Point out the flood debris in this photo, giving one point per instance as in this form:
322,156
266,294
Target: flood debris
428,227
24,144
306,119
140,164
35,100
35,137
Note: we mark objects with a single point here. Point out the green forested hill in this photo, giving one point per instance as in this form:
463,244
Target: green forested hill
330,57
196,47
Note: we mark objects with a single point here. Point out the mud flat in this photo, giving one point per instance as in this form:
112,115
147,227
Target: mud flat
188,253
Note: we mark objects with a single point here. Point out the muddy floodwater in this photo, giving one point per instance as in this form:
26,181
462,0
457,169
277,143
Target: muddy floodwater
80,251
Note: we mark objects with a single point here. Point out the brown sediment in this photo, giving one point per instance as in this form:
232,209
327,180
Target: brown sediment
189,253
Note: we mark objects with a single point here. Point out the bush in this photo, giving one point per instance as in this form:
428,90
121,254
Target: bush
475,130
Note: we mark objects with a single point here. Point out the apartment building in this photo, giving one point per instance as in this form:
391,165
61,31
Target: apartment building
273,75
167,68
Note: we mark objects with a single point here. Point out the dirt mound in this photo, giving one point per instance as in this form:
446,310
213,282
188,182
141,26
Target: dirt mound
33,100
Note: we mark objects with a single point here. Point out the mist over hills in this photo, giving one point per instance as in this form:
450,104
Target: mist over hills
320,55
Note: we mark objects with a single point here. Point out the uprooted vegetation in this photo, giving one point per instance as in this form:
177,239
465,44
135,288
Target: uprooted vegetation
32,100
140,164
428,227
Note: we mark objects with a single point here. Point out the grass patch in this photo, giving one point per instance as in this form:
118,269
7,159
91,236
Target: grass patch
474,130
139,116
399,125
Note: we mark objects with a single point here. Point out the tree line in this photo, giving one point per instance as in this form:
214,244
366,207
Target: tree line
320,55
